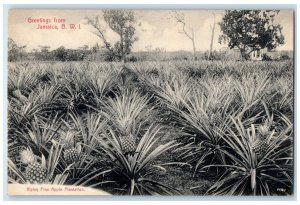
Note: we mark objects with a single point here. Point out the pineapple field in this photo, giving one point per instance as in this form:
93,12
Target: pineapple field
153,128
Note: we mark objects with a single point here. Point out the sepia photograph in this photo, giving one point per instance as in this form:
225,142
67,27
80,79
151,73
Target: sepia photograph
150,102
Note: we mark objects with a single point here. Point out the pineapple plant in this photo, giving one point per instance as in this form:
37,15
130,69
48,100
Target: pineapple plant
128,112
258,161
131,172
35,172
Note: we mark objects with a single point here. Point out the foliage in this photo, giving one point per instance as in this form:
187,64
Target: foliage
15,51
250,30
250,173
62,54
49,164
208,115
127,112
122,23
132,172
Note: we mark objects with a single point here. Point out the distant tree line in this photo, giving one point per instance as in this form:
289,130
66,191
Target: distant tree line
43,53
61,54
99,54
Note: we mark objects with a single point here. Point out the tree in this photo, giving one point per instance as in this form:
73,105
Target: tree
251,30
180,19
15,51
122,22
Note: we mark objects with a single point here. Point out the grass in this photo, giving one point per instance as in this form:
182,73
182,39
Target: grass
193,126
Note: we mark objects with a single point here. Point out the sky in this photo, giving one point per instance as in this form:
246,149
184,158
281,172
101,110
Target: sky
155,28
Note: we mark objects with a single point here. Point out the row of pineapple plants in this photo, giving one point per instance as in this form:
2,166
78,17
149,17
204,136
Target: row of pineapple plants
110,119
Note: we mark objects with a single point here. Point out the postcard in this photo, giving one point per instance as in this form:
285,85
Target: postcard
150,102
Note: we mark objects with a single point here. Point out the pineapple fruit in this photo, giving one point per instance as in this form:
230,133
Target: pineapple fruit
260,147
128,144
35,173
261,144
71,154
